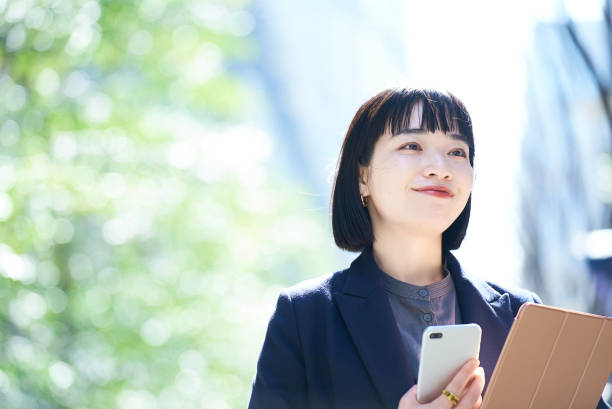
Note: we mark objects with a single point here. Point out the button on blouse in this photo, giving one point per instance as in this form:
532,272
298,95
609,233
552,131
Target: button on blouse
417,307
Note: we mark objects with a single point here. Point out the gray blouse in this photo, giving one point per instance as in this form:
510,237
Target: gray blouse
417,307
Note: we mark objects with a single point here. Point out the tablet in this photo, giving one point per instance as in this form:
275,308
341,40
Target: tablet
552,358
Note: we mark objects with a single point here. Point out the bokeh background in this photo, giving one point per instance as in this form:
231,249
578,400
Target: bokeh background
166,168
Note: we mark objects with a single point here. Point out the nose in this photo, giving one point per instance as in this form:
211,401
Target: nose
436,167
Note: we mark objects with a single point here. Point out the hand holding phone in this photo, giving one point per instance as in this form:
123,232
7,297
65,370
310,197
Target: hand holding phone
445,350
469,380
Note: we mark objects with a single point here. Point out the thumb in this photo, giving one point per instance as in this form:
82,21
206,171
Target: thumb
409,397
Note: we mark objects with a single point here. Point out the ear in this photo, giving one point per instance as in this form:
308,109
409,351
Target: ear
363,180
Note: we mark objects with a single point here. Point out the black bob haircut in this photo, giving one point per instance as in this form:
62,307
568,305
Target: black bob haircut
389,111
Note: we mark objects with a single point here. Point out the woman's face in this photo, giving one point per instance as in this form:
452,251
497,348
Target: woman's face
404,163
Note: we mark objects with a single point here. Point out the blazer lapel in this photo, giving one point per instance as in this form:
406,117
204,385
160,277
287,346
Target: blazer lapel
481,304
367,314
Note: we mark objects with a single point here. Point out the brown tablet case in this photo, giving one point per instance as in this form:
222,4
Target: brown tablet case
552,358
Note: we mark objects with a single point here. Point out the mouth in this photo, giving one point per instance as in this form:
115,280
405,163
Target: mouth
437,191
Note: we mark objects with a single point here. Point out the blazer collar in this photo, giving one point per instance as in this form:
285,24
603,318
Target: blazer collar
367,314
365,308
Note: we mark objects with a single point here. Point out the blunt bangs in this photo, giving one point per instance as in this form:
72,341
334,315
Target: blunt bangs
389,112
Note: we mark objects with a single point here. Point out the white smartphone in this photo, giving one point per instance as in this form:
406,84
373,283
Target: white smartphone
444,350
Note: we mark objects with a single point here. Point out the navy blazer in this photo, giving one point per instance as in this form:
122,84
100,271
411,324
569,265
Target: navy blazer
332,342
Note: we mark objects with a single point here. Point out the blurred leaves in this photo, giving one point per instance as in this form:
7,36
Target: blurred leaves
142,235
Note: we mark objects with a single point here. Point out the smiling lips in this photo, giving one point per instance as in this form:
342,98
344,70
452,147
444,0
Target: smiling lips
438,191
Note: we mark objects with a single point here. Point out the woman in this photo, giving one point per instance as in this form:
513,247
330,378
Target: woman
402,198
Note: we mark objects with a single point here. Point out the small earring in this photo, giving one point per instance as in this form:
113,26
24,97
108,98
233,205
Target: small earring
364,201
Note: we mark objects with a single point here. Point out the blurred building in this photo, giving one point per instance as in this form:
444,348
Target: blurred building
566,177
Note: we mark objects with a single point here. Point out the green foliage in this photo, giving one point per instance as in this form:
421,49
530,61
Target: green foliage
142,238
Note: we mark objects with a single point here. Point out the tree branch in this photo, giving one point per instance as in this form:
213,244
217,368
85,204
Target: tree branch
601,87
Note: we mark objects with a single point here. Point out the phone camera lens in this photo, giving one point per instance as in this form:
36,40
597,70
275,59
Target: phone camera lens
435,335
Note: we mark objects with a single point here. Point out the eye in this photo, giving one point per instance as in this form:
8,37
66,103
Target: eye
458,152
411,146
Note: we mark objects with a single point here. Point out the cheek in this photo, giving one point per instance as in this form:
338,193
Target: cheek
387,172
393,179
384,186
464,179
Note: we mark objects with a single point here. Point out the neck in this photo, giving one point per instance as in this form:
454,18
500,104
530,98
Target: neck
414,260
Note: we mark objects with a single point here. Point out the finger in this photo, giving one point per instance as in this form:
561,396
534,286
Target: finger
463,377
458,383
411,392
478,403
408,400
477,372
473,392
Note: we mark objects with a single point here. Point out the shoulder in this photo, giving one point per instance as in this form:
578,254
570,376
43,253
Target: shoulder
490,291
304,305
516,295
317,289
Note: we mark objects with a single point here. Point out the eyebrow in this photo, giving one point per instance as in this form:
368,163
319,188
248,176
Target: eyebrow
456,136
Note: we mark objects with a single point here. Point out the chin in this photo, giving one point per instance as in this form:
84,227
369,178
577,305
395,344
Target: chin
428,224
425,227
